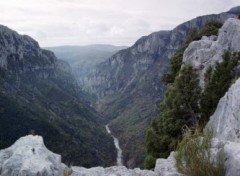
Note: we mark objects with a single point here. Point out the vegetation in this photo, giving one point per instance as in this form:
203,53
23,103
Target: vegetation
194,157
179,108
68,171
217,83
209,29
183,105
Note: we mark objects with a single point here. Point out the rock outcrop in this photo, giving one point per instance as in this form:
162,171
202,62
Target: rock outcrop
209,50
225,123
226,119
166,167
111,171
29,156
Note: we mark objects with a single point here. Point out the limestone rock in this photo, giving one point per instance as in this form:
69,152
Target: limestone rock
225,121
166,167
111,171
209,50
29,156
232,158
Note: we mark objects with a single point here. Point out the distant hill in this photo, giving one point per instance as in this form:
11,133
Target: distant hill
91,54
83,59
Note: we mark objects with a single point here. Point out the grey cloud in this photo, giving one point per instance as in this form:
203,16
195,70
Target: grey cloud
65,22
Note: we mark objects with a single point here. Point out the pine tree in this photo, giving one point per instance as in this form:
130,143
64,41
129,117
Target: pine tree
179,109
218,83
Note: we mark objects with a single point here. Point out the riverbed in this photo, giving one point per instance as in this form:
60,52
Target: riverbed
119,161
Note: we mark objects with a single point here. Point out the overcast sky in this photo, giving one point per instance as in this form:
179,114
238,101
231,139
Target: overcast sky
117,22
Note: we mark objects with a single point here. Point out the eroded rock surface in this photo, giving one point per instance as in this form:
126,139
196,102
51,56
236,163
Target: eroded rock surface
111,171
29,156
225,123
209,50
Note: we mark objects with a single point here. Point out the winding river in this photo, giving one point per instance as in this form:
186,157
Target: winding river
116,143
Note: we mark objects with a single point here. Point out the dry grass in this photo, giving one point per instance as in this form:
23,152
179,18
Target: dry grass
193,156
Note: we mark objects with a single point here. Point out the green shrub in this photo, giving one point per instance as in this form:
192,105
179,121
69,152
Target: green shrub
193,155
218,82
149,162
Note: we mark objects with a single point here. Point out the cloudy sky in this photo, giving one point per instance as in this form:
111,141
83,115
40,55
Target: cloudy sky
118,22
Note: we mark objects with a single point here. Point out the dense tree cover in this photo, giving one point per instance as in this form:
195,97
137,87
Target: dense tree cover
178,109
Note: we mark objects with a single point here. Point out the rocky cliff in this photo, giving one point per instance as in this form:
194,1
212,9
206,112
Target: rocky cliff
39,94
129,86
209,50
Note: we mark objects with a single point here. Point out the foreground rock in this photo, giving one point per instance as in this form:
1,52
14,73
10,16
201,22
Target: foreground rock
29,156
225,123
166,167
111,171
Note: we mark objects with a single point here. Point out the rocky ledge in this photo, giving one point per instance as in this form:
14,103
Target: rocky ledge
29,156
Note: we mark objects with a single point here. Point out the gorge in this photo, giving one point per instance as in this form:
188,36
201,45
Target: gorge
40,95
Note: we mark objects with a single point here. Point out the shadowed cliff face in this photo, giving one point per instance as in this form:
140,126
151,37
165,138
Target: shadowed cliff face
38,92
129,87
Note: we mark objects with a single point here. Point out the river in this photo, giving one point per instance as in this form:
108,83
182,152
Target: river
119,150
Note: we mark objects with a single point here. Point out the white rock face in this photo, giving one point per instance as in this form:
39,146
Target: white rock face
232,158
111,171
166,167
226,119
225,123
29,156
209,50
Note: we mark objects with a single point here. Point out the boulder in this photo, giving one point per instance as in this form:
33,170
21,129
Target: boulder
166,167
29,156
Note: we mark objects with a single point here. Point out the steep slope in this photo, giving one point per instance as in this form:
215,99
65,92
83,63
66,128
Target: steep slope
38,93
129,86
